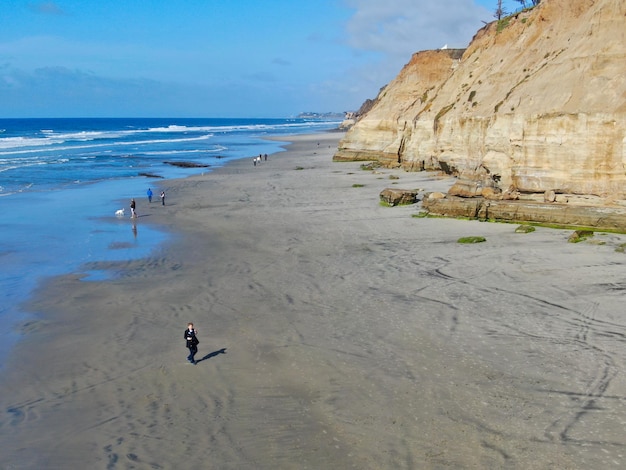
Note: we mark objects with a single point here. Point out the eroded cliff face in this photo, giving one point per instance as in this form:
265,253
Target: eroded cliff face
535,104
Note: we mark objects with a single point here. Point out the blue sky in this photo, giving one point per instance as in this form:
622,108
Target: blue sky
216,58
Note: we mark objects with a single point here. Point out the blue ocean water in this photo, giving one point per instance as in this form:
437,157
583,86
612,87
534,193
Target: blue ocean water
61,181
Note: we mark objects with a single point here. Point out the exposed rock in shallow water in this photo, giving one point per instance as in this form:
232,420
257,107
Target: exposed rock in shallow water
188,164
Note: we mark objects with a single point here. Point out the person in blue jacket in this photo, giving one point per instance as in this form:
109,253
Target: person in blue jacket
149,195
192,342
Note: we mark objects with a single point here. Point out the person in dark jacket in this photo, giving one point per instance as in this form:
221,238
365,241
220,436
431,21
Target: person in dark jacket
192,342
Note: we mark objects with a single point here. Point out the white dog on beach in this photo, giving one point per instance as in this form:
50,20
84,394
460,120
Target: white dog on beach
120,212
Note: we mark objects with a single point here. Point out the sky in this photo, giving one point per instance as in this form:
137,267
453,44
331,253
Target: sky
216,58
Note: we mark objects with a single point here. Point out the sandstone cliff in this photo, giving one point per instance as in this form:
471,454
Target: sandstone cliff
536,105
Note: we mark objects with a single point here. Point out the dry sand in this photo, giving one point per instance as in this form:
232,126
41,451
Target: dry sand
335,333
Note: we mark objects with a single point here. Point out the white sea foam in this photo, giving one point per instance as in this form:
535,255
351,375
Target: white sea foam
174,128
85,135
218,148
52,137
19,142
7,151
4,192
237,127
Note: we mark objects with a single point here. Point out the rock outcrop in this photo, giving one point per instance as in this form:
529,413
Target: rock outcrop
534,107
398,197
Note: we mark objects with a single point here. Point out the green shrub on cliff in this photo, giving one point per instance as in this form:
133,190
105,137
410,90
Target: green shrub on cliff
502,24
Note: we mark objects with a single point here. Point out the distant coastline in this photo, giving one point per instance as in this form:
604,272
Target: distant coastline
321,116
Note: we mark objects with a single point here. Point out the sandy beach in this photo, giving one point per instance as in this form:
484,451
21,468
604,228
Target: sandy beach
335,333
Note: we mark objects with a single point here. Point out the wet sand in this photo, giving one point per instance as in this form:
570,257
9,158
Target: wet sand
334,333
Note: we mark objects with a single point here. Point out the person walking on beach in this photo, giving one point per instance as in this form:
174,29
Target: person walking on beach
133,214
163,197
149,195
192,342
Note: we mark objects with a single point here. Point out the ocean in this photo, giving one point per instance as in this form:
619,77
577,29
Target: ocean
61,181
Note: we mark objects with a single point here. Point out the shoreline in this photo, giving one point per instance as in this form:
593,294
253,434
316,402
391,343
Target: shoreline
334,333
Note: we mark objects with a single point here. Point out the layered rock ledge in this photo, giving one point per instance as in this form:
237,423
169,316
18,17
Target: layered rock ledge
601,217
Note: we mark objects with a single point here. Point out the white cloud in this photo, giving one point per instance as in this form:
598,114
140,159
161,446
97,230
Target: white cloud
56,70
384,34
281,61
114,59
399,28
47,8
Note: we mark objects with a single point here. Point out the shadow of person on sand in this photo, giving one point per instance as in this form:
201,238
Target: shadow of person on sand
213,354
